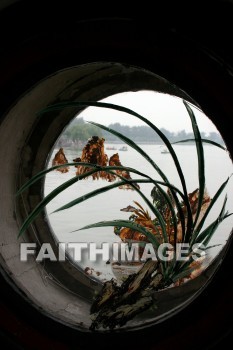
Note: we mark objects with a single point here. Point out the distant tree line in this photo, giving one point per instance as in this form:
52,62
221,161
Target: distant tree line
80,131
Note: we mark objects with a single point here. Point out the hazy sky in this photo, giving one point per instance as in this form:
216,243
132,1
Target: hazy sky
163,110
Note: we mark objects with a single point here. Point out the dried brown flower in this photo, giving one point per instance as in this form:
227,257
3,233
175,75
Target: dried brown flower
60,159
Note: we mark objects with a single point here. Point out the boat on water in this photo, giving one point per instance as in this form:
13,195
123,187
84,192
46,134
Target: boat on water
165,151
112,148
123,148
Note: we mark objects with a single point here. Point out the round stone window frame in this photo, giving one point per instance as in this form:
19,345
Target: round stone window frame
190,56
48,285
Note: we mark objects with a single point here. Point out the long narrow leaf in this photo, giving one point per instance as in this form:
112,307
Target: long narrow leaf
42,173
124,223
214,228
40,207
213,201
201,165
68,104
138,149
110,187
157,213
97,192
208,231
211,246
70,182
170,205
202,140
48,199
134,146
183,273
97,168
153,208
207,234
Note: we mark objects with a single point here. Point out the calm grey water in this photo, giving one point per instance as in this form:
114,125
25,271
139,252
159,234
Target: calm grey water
107,206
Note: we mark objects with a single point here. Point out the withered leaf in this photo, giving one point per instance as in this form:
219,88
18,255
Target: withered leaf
60,159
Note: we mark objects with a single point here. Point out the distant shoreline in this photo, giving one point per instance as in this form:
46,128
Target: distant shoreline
79,132
109,143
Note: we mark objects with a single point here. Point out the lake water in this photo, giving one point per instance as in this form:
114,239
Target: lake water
107,206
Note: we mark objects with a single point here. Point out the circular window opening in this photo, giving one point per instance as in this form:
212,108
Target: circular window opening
149,155
118,229
166,203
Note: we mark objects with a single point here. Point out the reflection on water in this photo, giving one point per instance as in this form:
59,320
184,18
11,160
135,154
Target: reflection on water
107,206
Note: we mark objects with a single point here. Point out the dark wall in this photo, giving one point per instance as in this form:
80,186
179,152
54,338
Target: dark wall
190,45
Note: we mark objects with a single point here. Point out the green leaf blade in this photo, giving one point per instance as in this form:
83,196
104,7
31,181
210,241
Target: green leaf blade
213,201
203,140
124,223
201,166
